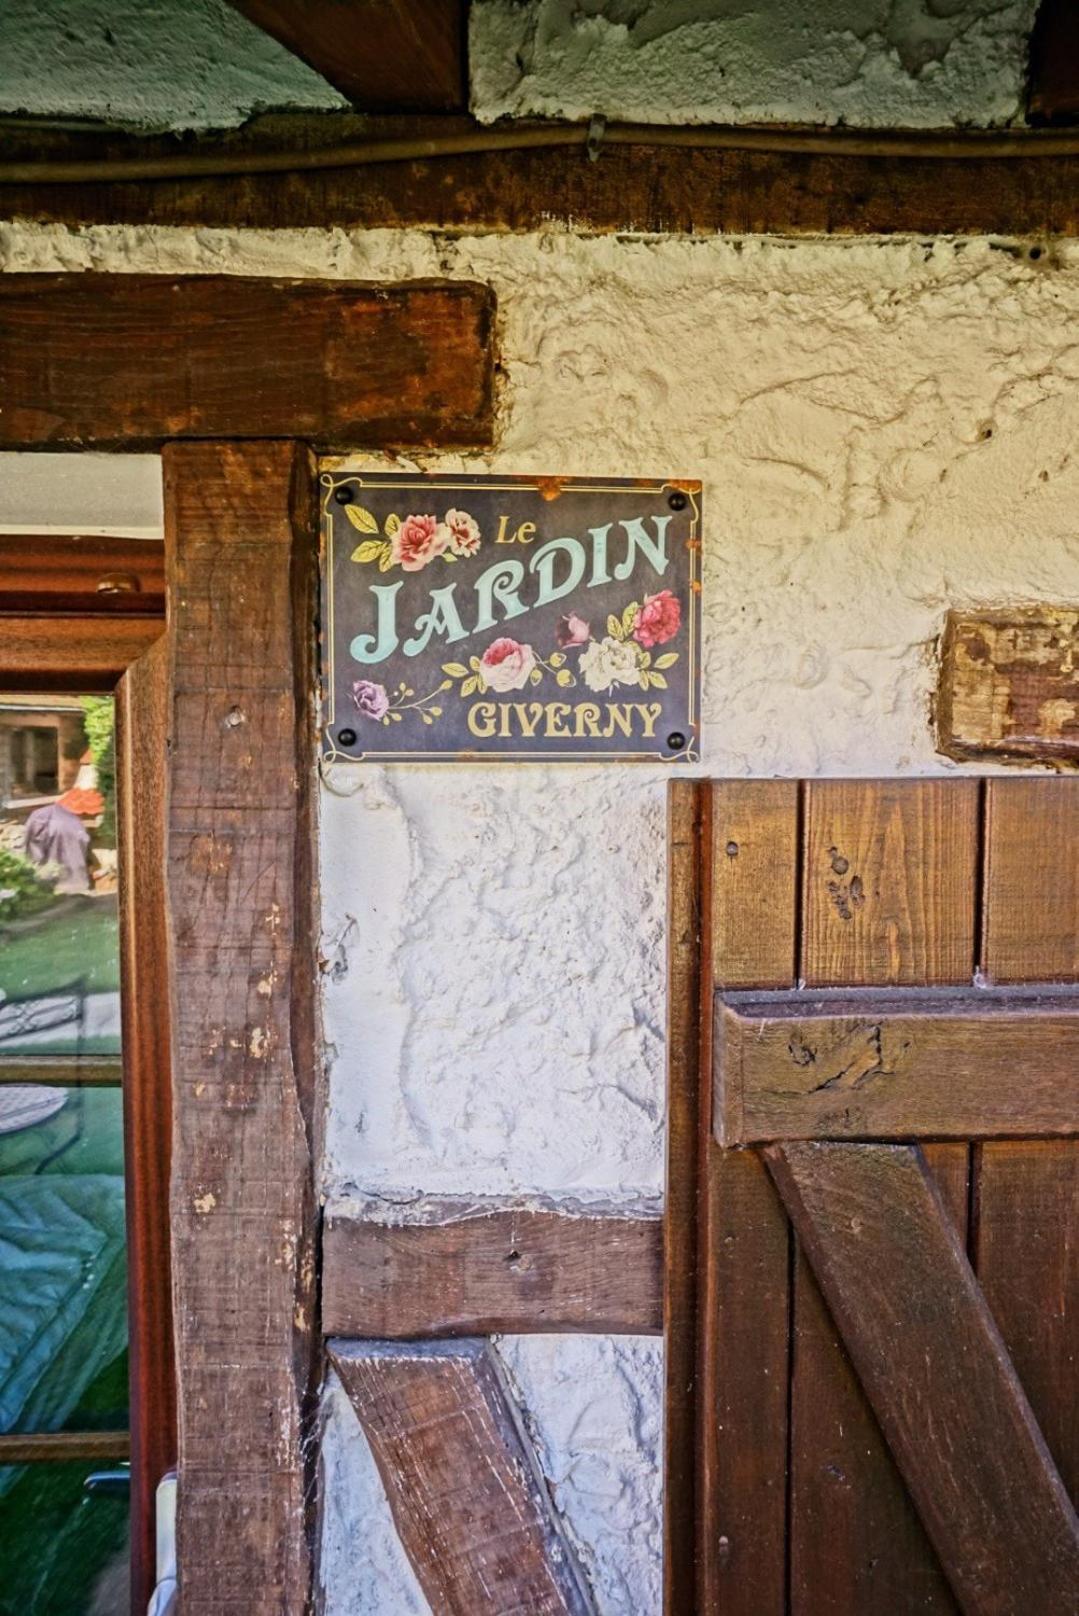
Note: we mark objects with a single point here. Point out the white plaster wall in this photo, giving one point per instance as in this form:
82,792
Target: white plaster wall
875,63
883,429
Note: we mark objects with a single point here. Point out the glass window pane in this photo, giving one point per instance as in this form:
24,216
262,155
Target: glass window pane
63,1310
59,950
63,1551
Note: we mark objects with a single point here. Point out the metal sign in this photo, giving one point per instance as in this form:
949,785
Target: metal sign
512,617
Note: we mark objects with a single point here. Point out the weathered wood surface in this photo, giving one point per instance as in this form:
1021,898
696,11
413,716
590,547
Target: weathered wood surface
751,865
927,1353
385,55
133,360
687,805
855,1541
142,718
1053,86
470,1271
889,882
41,573
58,1447
640,187
72,652
468,1498
240,524
1009,684
1028,1192
952,1065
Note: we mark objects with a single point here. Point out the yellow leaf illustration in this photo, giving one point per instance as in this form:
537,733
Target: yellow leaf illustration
470,686
564,677
385,560
629,617
456,670
656,679
667,660
535,676
361,518
392,523
369,550
614,627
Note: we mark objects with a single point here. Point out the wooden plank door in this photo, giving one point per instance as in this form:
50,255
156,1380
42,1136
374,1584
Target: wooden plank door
873,1292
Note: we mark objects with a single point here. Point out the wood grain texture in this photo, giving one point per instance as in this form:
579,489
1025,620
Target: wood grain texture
467,1495
142,713
688,811
1028,1193
240,543
889,882
385,55
133,360
58,1447
928,1355
856,1544
754,867
745,1241
71,653
118,577
1009,684
959,1065
478,1272
1053,85
638,187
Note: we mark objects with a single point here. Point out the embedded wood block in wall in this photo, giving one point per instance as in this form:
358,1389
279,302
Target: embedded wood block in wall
133,360
1009,685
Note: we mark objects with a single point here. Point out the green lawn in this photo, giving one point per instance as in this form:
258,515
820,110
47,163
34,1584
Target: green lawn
80,941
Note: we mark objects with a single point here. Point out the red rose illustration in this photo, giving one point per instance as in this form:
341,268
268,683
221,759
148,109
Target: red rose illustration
506,665
417,541
658,620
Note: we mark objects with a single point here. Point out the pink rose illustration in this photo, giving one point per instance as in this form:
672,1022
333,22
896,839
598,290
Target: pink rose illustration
417,541
572,630
370,699
658,620
463,533
506,665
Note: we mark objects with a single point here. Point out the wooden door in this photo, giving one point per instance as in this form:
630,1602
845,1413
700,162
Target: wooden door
873,1288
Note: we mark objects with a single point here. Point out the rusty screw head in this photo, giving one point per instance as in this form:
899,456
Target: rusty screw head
343,495
677,501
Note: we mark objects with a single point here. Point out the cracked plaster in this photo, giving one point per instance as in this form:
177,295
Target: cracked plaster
873,63
884,429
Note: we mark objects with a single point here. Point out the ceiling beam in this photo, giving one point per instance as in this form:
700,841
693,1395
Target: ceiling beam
383,55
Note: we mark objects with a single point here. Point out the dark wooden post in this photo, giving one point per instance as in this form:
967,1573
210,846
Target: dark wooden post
241,557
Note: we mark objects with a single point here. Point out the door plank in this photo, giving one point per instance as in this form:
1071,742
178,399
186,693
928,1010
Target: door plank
928,1355
468,1497
751,864
888,899
945,1065
889,882
1028,1193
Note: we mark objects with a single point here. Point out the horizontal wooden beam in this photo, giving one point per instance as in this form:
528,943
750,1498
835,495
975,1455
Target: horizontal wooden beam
931,1361
72,653
644,186
132,360
921,1063
106,576
469,1500
54,1447
62,1071
1009,684
476,1272
386,55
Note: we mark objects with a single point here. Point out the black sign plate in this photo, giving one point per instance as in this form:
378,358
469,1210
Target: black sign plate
511,617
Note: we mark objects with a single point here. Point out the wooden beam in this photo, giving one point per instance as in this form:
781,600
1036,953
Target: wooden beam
142,714
57,1447
1009,684
56,573
241,551
74,652
385,55
467,1494
1053,93
476,1272
132,360
931,1361
641,187
936,1065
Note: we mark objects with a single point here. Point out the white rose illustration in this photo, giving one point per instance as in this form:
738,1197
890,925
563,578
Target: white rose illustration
463,533
610,662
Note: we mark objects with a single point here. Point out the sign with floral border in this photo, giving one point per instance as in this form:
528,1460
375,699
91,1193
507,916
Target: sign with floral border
510,617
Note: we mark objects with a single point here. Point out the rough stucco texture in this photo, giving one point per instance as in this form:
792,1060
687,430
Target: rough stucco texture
867,62
156,64
883,430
